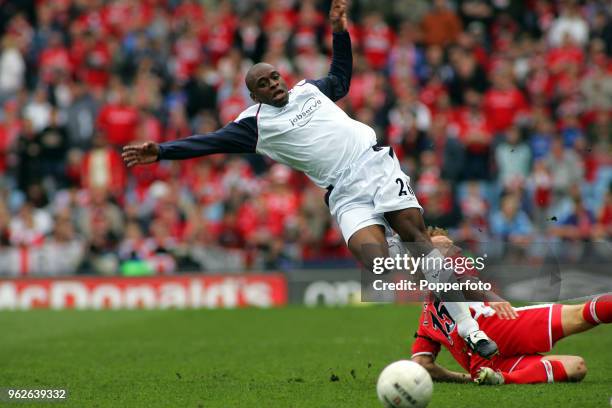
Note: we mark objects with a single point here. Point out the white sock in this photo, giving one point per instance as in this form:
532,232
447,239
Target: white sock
460,312
433,265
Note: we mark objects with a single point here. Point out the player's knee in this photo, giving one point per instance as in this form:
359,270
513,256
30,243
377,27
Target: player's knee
370,255
576,369
408,224
577,317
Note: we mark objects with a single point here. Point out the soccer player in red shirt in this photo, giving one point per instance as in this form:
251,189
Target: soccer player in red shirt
520,341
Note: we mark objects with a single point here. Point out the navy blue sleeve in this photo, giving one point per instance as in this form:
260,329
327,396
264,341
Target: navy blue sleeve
336,84
236,137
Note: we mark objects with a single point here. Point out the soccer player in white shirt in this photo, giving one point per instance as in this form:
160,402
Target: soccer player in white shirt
304,129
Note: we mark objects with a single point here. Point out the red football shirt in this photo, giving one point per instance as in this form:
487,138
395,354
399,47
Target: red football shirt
437,328
119,122
534,331
502,107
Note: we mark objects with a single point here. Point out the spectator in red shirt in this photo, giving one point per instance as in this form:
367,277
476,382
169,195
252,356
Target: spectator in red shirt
308,33
504,102
92,58
10,128
377,39
539,80
282,202
278,10
118,119
235,103
428,182
568,52
124,16
235,232
218,34
476,134
189,53
187,12
54,61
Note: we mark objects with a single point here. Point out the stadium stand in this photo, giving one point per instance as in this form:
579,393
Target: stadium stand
500,111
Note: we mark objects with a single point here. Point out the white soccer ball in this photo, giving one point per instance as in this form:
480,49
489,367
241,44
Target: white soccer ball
404,384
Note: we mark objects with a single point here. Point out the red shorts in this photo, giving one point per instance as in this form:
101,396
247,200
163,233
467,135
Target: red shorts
534,331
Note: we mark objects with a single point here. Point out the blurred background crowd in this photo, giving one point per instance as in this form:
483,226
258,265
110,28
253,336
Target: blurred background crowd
499,110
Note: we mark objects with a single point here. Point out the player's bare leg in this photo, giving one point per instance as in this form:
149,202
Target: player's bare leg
579,318
573,321
368,243
409,224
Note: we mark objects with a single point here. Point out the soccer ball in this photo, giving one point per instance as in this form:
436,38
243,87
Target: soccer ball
404,384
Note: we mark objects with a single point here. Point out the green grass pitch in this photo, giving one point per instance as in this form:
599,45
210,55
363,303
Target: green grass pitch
252,358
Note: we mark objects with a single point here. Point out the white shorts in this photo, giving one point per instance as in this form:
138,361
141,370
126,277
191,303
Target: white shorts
366,190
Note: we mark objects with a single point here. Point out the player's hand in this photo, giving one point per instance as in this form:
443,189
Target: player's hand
504,310
338,15
143,153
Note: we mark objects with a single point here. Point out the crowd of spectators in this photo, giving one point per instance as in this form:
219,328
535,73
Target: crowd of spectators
500,111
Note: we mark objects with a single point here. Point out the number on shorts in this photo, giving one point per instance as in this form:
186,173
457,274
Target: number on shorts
443,321
403,187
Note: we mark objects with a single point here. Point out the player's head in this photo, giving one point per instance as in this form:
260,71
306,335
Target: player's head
439,238
266,85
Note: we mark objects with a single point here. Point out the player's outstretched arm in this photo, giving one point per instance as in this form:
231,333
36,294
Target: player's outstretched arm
239,136
337,83
439,373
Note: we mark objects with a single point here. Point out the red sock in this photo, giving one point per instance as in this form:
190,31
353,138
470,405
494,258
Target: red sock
598,310
541,372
